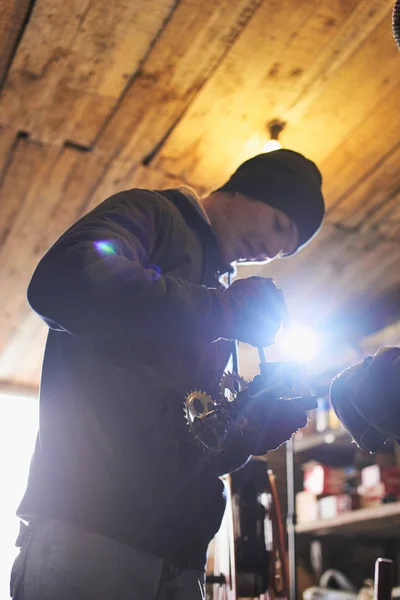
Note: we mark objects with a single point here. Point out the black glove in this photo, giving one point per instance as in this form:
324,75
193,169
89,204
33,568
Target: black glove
366,398
271,421
253,311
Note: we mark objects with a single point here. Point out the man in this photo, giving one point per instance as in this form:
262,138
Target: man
366,398
120,502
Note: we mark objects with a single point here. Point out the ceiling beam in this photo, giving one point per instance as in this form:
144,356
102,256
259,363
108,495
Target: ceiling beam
10,388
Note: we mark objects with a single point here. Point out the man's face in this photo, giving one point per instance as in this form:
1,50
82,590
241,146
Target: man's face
252,231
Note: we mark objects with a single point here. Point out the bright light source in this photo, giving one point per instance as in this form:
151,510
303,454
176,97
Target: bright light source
19,418
298,343
329,438
272,145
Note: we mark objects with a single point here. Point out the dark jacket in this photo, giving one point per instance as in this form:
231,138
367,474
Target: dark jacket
129,295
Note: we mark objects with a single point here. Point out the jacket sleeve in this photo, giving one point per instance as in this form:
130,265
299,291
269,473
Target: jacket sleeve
234,458
96,280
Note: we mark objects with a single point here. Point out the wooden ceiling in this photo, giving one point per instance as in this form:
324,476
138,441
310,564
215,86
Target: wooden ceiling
99,96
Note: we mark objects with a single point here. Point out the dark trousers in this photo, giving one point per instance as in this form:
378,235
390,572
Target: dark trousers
61,562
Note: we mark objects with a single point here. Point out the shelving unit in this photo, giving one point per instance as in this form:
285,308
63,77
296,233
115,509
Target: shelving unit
383,519
365,531
332,436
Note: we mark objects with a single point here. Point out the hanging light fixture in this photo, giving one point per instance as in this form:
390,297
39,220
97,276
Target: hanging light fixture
274,127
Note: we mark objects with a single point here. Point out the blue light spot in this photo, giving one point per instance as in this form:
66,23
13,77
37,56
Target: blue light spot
153,272
104,247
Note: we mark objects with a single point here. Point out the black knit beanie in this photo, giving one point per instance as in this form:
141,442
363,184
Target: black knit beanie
285,180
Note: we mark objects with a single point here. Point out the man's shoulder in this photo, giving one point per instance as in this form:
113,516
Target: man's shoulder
132,203
137,196
174,202
169,199
168,208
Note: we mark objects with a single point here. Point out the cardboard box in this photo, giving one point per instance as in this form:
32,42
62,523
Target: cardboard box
391,480
370,497
370,476
384,481
324,481
331,506
306,507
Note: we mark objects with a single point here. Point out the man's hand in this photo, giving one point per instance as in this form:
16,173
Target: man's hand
366,398
270,423
253,309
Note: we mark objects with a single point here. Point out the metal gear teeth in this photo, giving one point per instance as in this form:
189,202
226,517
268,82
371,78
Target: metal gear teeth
232,373
228,374
209,452
189,418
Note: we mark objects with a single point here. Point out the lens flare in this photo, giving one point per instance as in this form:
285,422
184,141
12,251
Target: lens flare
298,343
104,247
272,145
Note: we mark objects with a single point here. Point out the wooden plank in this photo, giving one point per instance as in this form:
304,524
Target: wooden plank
361,151
189,49
379,221
374,208
28,369
356,29
25,346
14,388
389,225
116,178
367,208
361,84
364,520
121,175
374,191
344,258
355,277
153,179
240,92
7,145
376,273
58,197
13,14
338,250
389,336
360,275
75,59
393,222
25,172
54,25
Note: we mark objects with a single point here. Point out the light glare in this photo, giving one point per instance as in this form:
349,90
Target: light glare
104,247
298,343
272,145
